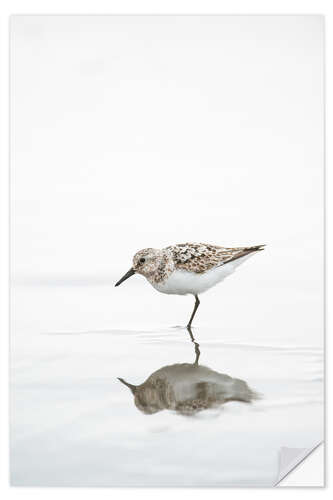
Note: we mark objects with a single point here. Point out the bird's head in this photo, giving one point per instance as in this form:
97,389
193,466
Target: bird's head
145,262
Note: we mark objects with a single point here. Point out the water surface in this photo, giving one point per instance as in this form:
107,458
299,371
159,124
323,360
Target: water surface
153,406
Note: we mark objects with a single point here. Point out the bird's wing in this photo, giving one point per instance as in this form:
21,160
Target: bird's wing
200,257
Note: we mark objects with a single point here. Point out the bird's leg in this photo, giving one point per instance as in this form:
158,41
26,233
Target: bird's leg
196,346
196,305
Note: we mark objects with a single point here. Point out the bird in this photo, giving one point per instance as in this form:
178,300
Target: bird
188,388
188,268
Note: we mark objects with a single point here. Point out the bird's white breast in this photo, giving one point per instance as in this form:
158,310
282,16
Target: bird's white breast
182,282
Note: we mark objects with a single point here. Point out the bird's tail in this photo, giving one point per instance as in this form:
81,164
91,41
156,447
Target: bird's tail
245,252
255,248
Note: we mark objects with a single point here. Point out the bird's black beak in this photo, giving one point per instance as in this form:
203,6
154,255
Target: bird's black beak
127,275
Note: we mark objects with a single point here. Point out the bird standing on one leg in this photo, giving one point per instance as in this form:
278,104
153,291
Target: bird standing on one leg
188,268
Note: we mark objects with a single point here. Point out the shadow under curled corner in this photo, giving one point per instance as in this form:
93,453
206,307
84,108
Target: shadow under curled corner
291,458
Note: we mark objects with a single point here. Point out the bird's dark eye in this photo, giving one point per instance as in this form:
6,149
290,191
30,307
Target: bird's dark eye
142,260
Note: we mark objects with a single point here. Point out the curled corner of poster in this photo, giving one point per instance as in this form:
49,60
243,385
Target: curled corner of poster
290,458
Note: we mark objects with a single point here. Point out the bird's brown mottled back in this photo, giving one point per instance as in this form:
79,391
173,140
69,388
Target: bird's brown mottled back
200,257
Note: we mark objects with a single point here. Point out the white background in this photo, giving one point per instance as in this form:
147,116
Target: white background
197,10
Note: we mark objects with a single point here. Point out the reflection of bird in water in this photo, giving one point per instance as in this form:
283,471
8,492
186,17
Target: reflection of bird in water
188,388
